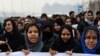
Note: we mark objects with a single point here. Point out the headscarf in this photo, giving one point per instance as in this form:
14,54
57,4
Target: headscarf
47,35
59,21
85,49
36,47
69,28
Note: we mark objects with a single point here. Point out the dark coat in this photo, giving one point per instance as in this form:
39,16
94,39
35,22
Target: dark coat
4,48
47,37
62,47
81,26
13,41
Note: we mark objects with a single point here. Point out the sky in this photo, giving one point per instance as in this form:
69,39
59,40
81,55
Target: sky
29,6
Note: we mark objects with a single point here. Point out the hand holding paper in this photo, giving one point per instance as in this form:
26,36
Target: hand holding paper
2,42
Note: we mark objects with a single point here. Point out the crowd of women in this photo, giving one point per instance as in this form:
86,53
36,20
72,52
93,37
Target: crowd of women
52,34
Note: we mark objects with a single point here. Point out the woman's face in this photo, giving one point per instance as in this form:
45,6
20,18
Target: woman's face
65,35
27,21
68,21
20,27
33,34
9,26
57,27
91,39
78,19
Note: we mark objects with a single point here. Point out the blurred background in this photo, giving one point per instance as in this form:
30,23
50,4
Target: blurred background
23,8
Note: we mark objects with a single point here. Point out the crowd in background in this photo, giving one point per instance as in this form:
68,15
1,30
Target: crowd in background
52,34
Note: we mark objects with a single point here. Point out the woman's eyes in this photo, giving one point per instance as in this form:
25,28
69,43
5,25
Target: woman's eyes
33,31
66,34
88,37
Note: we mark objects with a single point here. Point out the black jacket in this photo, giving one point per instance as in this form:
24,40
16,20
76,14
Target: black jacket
62,47
81,26
13,41
4,48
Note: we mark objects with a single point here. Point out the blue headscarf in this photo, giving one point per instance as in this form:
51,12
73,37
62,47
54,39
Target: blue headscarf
85,49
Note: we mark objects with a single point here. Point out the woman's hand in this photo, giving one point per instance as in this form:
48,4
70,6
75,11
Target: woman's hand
69,52
53,52
2,42
7,53
26,52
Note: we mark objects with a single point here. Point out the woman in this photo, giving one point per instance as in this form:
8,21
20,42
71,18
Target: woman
76,34
47,35
78,19
68,21
58,23
20,27
12,39
33,38
90,41
66,42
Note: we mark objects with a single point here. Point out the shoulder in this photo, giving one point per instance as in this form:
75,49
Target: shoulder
4,48
74,44
55,44
78,50
22,47
98,51
2,36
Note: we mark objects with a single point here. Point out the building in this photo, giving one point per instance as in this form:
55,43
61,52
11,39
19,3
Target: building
94,5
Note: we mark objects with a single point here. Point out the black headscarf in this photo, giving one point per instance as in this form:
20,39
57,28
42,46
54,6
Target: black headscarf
61,46
70,30
14,38
59,21
47,35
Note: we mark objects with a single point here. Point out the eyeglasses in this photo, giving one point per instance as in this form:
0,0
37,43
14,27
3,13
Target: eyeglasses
93,38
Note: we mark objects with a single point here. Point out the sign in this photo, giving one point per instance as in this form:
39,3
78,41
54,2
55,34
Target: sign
44,54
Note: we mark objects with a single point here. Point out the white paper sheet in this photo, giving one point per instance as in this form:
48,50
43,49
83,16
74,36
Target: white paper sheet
43,54
17,54
2,54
